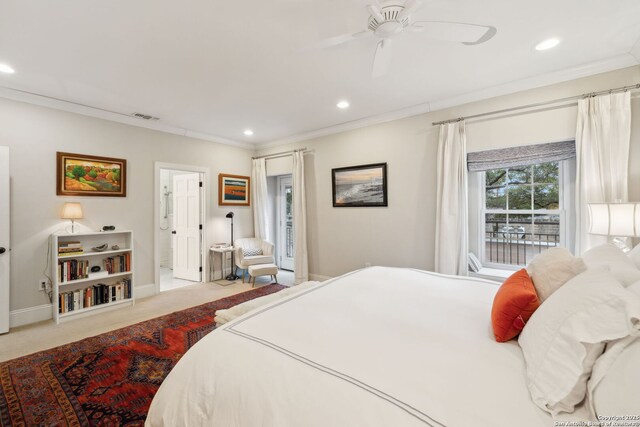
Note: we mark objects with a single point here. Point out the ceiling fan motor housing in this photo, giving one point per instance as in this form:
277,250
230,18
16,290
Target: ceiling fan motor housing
391,26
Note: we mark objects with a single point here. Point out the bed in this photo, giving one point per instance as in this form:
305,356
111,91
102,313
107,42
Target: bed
376,347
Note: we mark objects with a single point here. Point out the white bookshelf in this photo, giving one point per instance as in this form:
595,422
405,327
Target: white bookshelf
124,239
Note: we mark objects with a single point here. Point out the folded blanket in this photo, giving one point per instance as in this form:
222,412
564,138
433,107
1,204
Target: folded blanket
224,316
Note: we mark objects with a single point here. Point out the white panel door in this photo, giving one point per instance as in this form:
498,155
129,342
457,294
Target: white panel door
4,239
186,227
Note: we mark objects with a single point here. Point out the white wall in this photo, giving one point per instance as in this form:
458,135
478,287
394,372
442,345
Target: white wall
34,134
343,239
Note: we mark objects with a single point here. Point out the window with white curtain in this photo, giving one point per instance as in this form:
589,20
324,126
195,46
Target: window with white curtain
522,202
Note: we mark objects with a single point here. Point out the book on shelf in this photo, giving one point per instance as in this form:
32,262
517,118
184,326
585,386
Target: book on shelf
70,248
94,295
72,270
118,263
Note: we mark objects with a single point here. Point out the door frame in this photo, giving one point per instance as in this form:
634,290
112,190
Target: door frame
5,241
204,212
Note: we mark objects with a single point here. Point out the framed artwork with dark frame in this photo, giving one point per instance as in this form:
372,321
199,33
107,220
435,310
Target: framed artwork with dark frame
234,190
360,186
85,175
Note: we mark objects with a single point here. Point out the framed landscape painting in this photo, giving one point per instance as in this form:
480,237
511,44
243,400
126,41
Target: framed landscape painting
360,186
84,175
234,190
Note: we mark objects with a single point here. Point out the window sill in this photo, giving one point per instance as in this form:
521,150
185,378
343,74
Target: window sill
493,274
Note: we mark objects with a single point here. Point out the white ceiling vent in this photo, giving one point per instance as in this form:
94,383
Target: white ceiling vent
144,116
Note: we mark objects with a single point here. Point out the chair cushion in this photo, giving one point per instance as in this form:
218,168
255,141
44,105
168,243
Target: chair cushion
252,252
258,259
262,269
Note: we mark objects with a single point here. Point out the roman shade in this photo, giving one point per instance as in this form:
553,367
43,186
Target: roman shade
520,156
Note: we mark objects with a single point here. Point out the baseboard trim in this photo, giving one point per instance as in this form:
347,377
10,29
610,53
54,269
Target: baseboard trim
26,316
319,277
40,313
145,291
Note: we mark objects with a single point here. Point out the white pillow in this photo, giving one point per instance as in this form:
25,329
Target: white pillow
552,269
568,332
614,386
612,258
618,390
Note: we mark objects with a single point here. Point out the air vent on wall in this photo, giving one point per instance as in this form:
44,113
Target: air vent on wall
144,116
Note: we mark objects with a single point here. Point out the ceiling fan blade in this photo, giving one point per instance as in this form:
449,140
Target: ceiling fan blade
491,31
469,34
331,41
374,10
410,6
381,59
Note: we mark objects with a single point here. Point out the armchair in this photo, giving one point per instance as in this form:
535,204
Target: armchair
252,251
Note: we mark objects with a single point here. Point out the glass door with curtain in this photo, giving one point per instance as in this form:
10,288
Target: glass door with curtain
285,223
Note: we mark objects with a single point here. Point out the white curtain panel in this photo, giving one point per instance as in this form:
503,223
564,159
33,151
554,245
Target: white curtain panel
300,259
452,229
602,158
260,200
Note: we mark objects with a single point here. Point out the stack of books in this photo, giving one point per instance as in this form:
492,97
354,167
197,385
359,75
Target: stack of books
69,248
72,270
94,295
118,264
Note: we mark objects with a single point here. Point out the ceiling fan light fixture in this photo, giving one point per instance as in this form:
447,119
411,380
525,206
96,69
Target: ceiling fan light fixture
343,104
548,44
6,69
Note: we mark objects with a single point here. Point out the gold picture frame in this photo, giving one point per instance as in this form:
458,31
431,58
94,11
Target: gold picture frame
86,175
234,190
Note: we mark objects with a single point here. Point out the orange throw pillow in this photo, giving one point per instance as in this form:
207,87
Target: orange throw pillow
513,305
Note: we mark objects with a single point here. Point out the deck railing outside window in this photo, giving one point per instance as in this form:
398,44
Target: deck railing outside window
517,242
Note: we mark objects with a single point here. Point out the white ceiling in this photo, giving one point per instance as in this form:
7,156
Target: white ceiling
219,67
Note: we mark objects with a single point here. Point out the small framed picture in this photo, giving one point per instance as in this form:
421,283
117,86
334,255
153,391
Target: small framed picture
85,175
234,190
360,186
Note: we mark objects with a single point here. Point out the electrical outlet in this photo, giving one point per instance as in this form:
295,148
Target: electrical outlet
42,285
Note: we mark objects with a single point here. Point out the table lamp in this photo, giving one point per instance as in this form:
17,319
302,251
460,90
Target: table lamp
618,220
72,211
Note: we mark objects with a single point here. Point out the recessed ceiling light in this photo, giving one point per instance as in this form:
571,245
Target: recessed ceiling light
4,68
342,105
547,44
248,132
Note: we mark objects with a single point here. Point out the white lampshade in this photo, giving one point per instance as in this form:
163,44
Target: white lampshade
614,219
71,210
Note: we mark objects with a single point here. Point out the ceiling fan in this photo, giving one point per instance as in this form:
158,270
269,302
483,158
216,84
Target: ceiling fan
391,18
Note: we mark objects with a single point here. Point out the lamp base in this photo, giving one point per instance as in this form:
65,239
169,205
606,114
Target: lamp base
621,243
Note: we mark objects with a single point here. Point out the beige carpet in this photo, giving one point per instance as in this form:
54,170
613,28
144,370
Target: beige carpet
41,336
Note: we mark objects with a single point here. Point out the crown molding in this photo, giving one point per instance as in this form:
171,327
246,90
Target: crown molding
347,126
614,63
86,110
617,62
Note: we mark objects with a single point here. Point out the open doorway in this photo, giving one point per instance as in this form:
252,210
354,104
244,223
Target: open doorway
179,226
284,223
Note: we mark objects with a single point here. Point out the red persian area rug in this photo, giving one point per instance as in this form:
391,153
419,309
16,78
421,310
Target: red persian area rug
109,379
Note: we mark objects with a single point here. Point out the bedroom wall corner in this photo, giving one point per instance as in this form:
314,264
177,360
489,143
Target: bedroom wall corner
34,134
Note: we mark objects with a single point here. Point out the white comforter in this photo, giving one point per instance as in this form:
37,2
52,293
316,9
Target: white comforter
377,347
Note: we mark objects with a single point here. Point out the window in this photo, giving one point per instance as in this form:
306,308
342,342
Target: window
522,213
